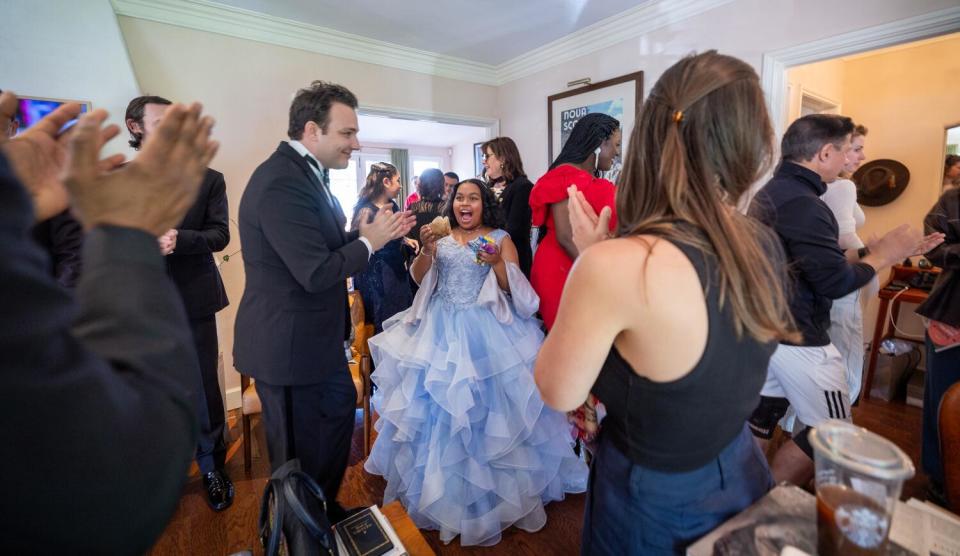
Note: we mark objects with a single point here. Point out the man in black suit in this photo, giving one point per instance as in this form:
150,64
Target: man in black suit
97,423
293,319
189,252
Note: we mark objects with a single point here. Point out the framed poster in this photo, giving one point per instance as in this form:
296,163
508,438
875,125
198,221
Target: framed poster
478,159
618,97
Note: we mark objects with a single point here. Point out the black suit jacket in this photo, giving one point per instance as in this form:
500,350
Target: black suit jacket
515,202
62,238
97,423
205,230
293,317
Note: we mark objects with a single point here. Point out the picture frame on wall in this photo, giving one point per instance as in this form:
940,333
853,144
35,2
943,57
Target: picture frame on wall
618,97
478,159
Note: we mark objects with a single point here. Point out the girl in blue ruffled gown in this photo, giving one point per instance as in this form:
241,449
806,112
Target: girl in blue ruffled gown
464,440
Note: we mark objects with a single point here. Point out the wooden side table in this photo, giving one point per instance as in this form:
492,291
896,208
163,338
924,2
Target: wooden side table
409,535
880,332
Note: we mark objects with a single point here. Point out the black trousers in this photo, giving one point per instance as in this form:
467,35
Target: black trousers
211,449
313,423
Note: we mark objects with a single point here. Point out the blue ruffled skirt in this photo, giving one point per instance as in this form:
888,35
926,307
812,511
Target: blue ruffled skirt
464,440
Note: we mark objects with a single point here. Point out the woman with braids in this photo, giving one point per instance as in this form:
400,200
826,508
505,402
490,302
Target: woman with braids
501,158
675,342
593,144
383,285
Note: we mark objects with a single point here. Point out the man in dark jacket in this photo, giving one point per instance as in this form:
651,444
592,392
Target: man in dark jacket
293,318
811,376
942,306
189,252
97,424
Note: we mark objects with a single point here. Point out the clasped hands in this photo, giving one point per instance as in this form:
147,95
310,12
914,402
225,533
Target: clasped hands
385,226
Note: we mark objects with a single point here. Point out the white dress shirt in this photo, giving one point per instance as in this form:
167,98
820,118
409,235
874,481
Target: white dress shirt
318,171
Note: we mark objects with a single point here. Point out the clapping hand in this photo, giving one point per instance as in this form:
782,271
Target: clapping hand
38,155
385,227
154,191
929,242
588,227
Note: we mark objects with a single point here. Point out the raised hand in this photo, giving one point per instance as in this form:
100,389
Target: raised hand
153,192
587,227
38,155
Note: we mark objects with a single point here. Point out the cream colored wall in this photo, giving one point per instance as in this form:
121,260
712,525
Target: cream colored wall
905,98
248,86
823,80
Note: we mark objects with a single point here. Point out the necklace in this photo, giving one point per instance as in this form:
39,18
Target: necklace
465,236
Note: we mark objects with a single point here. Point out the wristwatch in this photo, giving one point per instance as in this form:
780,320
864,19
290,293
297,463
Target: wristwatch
863,252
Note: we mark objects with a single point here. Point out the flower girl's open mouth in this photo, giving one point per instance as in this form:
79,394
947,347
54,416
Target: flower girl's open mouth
465,217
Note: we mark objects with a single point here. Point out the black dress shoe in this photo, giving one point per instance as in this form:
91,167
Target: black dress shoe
219,490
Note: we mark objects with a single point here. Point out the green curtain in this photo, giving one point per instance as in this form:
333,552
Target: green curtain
401,159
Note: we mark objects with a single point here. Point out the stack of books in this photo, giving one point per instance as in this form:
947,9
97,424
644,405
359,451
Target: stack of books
368,533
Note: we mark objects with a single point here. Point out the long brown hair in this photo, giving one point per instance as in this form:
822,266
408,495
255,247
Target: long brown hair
506,150
702,139
374,187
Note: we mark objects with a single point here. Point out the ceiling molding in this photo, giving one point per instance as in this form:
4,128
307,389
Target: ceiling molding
630,24
773,74
427,116
213,17
901,47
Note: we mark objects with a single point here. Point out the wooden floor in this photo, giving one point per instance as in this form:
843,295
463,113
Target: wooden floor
196,529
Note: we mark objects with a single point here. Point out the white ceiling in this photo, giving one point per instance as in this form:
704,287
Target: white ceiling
393,131
486,31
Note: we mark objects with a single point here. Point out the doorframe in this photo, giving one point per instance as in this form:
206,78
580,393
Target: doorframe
773,74
491,124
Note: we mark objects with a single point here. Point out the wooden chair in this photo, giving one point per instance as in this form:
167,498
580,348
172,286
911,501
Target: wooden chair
360,368
950,444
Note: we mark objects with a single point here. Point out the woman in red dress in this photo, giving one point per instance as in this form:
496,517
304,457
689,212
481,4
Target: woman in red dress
591,148
593,144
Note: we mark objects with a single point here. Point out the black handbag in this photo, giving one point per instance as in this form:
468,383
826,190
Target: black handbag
293,515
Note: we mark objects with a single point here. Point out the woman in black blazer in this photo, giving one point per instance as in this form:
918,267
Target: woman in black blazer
505,169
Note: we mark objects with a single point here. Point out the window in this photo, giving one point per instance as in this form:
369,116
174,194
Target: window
343,185
346,184
421,163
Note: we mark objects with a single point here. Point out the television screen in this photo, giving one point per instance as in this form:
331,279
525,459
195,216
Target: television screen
32,110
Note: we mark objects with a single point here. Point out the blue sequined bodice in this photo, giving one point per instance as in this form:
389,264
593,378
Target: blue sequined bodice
460,277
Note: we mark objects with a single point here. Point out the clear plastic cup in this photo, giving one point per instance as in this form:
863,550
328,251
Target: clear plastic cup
859,478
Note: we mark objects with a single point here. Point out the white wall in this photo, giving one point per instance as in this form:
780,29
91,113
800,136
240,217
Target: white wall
67,49
743,28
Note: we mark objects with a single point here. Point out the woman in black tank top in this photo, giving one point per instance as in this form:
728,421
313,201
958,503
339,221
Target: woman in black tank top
671,325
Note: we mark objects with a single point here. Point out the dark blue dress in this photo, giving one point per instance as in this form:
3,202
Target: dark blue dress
383,285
